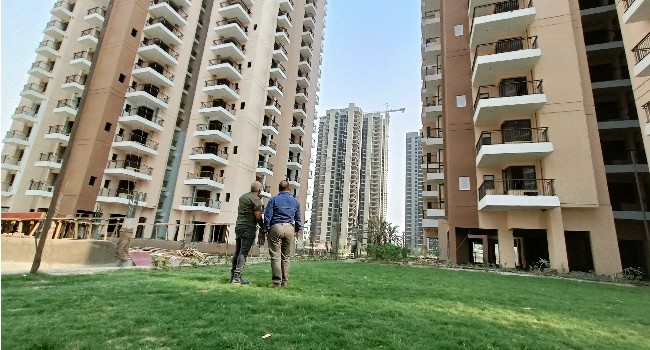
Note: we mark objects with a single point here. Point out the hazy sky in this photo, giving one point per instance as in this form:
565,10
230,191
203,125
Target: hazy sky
372,58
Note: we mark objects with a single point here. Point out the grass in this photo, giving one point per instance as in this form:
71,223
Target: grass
328,305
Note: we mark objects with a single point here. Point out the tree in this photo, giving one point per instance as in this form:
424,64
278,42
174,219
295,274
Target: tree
381,232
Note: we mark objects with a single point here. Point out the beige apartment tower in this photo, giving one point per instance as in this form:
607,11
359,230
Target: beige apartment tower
534,115
207,97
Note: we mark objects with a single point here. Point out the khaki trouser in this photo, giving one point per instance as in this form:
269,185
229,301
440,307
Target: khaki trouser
280,241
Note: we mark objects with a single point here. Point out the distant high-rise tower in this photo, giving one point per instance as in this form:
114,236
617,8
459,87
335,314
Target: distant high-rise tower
413,235
350,180
216,94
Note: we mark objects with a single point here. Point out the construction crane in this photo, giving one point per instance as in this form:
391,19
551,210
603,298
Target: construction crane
387,110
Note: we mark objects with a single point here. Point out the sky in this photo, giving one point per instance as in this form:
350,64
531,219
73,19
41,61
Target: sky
371,58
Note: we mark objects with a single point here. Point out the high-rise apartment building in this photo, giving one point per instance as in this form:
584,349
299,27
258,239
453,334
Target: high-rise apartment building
413,211
542,150
350,176
217,94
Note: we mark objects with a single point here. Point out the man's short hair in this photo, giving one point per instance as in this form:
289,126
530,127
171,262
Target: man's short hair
283,186
256,186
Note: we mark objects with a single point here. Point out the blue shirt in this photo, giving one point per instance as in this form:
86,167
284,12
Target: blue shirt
283,209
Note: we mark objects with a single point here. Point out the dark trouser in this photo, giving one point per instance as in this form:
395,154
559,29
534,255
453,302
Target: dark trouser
280,241
243,243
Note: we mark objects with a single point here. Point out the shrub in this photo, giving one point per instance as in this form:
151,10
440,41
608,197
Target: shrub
387,252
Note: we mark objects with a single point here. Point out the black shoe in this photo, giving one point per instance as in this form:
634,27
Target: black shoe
244,281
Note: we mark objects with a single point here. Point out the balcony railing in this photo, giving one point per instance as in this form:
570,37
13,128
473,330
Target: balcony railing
503,46
94,32
232,21
57,24
232,63
10,160
236,2
431,133
268,143
205,175
26,110
98,10
145,114
213,127
210,150
122,193
151,90
271,123
509,136
155,66
517,187
229,41
428,42
280,47
522,88
642,49
79,79
628,3
60,129
276,64
166,48
84,54
433,101
299,124
171,4
40,186
46,66
62,3
16,134
296,142
51,44
265,165
275,83
50,157
7,187
40,88
273,103
166,24
200,202
499,7
284,13
218,103
129,165
294,160
143,140
433,69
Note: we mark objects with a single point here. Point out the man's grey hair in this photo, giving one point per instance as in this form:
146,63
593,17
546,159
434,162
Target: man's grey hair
256,186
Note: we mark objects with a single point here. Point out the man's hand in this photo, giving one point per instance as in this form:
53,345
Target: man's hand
261,237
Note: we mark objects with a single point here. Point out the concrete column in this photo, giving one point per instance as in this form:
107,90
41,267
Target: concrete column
604,245
506,247
556,241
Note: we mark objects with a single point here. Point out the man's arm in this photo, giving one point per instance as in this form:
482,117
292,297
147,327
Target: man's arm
297,219
268,213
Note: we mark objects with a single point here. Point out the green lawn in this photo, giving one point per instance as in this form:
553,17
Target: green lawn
328,305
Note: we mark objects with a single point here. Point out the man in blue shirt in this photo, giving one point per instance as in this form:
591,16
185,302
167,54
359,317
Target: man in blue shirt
282,221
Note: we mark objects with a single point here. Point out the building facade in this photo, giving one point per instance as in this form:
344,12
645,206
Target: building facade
216,95
350,177
413,210
543,162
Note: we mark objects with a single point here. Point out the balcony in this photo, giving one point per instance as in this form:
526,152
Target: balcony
286,5
436,211
308,21
268,147
89,37
274,89
284,20
302,80
96,16
10,163
185,3
641,57
270,128
146,95
264,168
282,36
432,76
34,92
205,180
493,102
158,51
232,28
307,35
294,163
433,172
49,160
495,20
41,70
617,118
82,60
15,137
498,148
298,128
66,107
215,132
206,205
168,10
59,133
304,65
296,145
299,111
280,53
7,189
49,49
278,71
432,138
62,9
431,21
431,109
516,194
432,46
55,29
430,194
75,83
217,110
306,49
236,9
636,11
164,30
310,7
129,169
294,182
121,196
25,114
221,89
272,108
153,73
228,48
504,57
135,143
40,189
209,155
143,119
225,68
429,223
